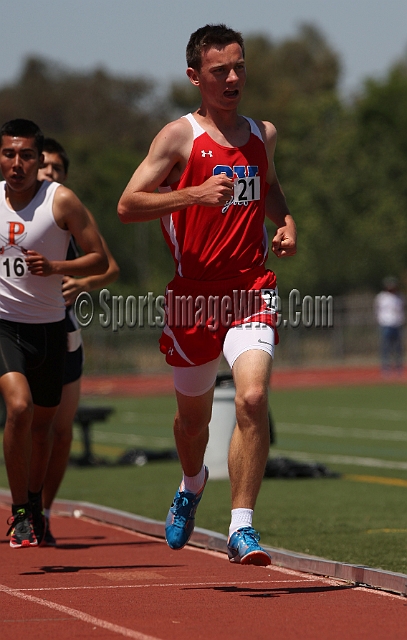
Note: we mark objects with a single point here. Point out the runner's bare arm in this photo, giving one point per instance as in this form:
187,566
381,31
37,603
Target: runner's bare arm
284,242
72,287
164,164
70,214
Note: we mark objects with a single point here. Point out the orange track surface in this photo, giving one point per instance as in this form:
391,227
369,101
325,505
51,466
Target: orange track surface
107,582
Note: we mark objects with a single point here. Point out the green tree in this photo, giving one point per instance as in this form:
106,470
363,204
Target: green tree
300,68
342,163
93,105
106,124
381,117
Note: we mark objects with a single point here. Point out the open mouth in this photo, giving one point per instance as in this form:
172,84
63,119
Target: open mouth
231,93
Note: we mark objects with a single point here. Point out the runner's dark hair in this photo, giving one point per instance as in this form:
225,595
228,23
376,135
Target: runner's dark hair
208,36
53,146
20,128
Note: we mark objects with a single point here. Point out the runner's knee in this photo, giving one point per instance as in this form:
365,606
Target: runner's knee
19,411
191,426
251,401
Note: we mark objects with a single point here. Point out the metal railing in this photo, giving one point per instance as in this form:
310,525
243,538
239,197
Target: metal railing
353,338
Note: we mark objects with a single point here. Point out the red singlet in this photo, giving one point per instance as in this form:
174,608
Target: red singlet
218,246
218,243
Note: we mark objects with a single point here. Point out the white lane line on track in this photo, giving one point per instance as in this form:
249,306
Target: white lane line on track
397,596
194,585
270,583
79,615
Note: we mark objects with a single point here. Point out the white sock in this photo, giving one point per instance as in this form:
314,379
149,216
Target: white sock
240,518
193,484
47,513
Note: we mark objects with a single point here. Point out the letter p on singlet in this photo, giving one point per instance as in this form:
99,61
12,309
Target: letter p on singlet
14,229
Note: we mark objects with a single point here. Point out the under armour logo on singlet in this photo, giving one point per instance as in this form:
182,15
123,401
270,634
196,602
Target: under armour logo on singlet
206,153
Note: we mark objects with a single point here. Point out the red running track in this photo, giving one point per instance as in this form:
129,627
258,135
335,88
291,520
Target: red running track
104,581
160,384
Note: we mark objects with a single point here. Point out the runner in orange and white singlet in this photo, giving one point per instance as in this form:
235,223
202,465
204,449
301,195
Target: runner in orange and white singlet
36,222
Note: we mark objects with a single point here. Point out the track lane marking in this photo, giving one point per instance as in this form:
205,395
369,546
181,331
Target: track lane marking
170,584
387,594
79,615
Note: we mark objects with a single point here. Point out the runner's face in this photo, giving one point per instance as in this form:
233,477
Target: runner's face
52,168
222,76
19,162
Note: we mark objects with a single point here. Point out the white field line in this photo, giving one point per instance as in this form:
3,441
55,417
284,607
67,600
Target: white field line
135,417
341,432
393,415
79,615
112,437
338,459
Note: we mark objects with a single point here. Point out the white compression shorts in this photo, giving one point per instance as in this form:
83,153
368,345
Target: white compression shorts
195,381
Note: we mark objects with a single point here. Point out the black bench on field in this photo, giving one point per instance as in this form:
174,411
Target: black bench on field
85,416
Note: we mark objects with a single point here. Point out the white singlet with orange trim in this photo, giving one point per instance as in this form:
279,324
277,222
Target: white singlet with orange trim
25,297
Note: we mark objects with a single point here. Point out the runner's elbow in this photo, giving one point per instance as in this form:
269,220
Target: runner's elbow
123,212
127,209
101,265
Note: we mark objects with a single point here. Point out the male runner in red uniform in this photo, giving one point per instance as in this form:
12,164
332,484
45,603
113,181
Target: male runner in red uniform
216,179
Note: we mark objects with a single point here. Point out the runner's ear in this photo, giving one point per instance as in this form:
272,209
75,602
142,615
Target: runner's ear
193,76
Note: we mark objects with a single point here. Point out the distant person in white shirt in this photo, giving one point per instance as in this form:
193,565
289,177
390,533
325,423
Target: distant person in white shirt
390,315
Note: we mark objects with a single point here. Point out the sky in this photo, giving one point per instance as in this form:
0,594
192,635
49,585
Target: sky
133,38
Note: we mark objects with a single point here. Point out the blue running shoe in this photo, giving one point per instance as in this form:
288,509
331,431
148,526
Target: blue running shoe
243,547
180,521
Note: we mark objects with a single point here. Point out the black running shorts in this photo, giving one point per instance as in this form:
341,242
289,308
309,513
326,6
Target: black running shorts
73,365
38,352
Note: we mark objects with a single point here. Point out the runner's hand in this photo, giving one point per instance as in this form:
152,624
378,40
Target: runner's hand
214,192
284,242
71,288
37,264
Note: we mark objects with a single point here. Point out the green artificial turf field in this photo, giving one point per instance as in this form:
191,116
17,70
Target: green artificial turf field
360,432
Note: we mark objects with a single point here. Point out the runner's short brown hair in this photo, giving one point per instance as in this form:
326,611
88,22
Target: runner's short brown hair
208,36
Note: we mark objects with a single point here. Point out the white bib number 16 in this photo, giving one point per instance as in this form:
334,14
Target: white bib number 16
246,189
13,267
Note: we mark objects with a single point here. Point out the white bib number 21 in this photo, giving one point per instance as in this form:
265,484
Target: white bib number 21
246,189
